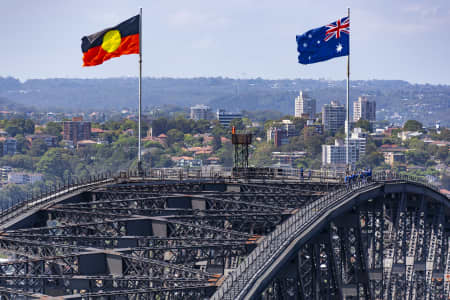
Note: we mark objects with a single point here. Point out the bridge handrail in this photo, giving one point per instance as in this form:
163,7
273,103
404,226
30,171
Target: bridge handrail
240,280
50,194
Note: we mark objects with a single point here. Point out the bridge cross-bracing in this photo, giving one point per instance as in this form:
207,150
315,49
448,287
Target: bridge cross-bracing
273,237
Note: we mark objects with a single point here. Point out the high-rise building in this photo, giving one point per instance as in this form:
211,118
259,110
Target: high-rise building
226,117
357,145
333,116
281,132
305,105
200,112
76,130
336,154
364,109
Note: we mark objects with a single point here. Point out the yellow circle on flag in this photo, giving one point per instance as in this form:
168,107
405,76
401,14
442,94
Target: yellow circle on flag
111,40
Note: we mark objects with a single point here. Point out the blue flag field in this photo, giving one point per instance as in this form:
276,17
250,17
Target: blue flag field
325,42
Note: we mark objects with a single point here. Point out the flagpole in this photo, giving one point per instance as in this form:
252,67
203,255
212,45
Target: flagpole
140,91
347,125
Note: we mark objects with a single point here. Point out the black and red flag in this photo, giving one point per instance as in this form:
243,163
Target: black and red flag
111,42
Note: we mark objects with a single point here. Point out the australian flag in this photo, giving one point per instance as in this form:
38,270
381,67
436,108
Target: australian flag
325,42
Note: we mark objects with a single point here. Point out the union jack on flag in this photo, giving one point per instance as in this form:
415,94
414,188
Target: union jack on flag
323,43
335,28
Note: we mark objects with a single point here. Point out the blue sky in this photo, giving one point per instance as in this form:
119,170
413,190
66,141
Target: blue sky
399,39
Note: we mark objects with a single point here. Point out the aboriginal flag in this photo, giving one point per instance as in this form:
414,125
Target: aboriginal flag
111,42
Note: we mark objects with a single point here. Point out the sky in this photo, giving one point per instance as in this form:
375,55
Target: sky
402,40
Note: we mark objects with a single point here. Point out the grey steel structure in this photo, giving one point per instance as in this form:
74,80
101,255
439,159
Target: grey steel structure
228,238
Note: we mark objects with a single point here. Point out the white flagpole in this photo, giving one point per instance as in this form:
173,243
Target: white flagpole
140,90
347,127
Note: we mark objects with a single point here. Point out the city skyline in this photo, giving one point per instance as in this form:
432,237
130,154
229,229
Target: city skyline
239,39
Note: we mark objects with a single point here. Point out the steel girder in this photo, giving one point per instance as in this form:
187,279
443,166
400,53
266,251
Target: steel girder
147,240
178,254
179,201
109,242
242,221
141,240
123,226
391,247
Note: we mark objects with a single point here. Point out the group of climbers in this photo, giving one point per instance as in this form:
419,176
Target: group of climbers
358,177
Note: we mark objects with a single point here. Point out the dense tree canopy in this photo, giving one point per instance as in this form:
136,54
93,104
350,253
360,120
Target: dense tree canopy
412,125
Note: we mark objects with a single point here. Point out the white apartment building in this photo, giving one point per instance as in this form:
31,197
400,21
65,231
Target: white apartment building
357,143
364,109
23,178
4,171
336,154
200,112
305,105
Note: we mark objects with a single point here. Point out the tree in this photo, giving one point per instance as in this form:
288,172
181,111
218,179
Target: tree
159,126
412,125
53,128
262,157
442,153
202,126
217,142
38,147
372,160
54,162
416,144
226,155
12,130
12,194
237,123
299,123
446,181
19,161
218,130
313,143
129,124
445,135
21,143
188,139
174,136
364,124
417,157
28,127
184,125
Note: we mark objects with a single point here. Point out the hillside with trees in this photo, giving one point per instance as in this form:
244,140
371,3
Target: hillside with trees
396,100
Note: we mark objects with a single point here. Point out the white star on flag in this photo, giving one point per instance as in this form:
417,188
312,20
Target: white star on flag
339,48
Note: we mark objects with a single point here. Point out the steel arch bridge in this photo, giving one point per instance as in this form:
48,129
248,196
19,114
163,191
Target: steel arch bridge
140,238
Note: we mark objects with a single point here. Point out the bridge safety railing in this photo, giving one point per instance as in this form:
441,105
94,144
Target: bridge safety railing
162,174
49,193
237,283
235,174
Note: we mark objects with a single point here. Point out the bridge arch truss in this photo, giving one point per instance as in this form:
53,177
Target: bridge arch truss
383,240
140,238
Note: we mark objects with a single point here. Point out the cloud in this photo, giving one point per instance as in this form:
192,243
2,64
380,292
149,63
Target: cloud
408,20
421,10
183,18
204,43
